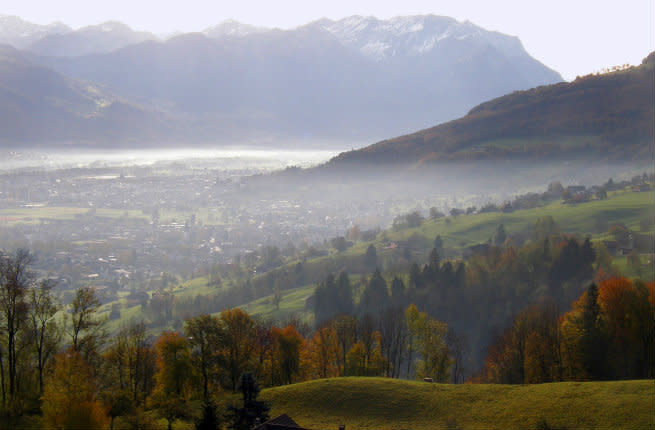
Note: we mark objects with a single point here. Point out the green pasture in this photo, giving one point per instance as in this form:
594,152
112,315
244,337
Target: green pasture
379,403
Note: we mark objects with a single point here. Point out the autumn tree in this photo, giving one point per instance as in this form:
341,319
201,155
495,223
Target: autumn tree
365,356
429,339
130,364
529,350
238,353
172,391
345,327
263,349
286,353
205,338
628,322
69,397
320,357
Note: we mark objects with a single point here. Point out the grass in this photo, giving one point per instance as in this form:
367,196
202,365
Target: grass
292,302
194,287
379,403
458,232
34,215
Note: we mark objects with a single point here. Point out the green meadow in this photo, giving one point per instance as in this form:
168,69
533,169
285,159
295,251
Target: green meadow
380,403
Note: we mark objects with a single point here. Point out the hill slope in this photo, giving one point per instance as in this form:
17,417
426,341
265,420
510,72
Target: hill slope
379,403
608,116
38,104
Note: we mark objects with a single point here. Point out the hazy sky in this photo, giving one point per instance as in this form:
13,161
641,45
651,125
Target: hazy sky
574,37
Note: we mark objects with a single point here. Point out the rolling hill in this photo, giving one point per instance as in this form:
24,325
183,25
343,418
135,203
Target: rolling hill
382,403
607,116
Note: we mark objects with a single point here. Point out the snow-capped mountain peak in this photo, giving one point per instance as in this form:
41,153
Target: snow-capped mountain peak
412,35
233,28
19,33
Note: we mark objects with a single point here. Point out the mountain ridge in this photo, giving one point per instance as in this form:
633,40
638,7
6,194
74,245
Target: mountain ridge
304,84
38,104
93,39
607,115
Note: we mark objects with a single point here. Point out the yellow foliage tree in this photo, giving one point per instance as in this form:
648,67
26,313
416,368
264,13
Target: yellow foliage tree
365,358
429,336
240,337
320,357
172,391
69,396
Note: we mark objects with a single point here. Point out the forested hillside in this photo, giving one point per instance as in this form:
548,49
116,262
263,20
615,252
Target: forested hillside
500,294
606,116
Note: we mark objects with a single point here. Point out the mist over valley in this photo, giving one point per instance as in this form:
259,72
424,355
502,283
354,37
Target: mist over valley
410,219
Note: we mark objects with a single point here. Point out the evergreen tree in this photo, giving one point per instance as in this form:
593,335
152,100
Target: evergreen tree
344,295
370,258
415,280
500,236
376,295
209,419
245,417
398,292
438,244
434,260
592,342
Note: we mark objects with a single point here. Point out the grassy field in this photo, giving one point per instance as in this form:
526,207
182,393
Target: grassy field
292,302
379,403
457,232
34,215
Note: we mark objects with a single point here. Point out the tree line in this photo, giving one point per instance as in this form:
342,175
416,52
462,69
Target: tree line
87,379
607,334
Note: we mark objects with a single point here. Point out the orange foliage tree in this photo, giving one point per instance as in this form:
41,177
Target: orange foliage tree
286,353
629,319
320,357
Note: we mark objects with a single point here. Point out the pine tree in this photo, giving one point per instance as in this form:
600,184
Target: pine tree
245,417
592,342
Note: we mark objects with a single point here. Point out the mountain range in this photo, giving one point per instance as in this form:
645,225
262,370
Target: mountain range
355,79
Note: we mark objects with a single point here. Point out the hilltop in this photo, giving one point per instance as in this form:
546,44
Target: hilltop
382,403
607,116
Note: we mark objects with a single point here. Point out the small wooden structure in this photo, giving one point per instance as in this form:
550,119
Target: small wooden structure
283,422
